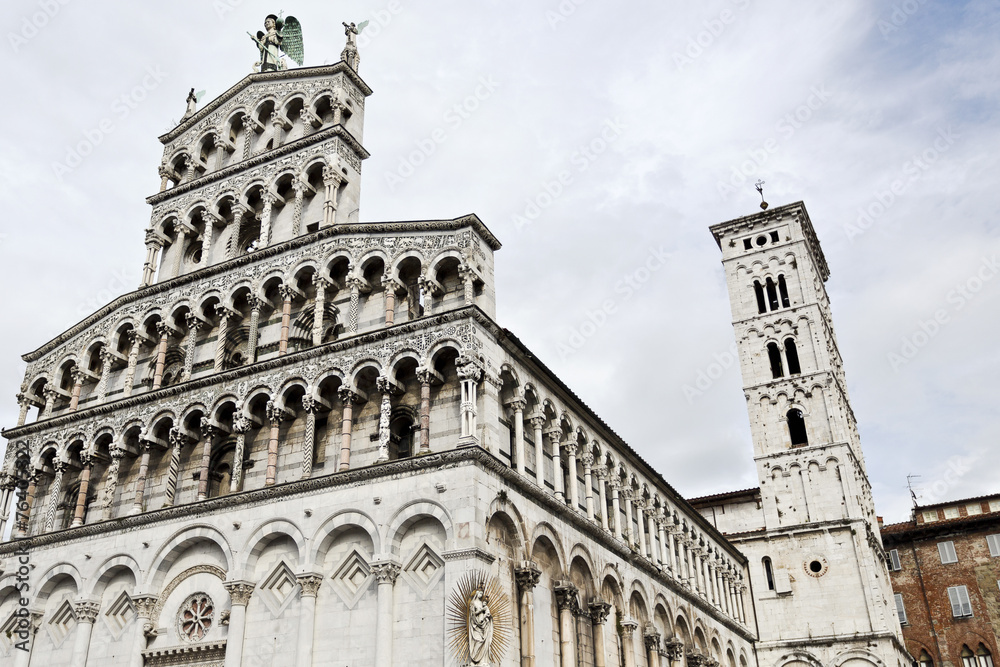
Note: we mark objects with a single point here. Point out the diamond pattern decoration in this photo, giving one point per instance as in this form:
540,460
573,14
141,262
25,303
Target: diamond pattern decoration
352,578
424,569
119,615
278,589
7,636
61,624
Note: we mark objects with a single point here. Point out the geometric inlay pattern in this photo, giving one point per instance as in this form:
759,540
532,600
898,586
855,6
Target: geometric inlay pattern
352,578
8,636
424,570
195,617
278,589
119,615
61,624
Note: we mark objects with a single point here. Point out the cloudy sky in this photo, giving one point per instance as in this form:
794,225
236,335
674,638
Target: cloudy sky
592,138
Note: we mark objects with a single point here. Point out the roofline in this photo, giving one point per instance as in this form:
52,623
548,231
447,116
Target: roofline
914,530
795,209
727,495
470,220
279,75
920,508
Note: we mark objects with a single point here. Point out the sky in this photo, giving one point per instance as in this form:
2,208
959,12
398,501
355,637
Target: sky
598,141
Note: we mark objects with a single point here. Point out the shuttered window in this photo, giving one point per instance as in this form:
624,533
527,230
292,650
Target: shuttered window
947,552
894,564
900,610
994,543
961,606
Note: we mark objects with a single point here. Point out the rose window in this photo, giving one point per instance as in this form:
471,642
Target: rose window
195,617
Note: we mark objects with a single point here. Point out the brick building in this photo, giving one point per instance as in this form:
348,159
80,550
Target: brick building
945,570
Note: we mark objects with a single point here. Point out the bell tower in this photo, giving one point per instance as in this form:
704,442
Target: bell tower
819,570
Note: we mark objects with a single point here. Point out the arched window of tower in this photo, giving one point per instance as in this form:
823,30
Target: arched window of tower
783,291
774,355
759,291
768,573
772,295
792,356
797,428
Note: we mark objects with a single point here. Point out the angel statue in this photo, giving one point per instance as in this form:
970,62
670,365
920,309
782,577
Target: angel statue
350,53
282,36
480,629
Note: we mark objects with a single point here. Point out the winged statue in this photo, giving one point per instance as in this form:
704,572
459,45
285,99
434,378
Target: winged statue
279,36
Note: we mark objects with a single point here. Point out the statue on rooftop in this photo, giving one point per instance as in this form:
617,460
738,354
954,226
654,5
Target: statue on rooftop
350,53
280,36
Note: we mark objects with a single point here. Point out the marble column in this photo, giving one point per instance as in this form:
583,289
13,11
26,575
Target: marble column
661,533
527,575
275,415
234,250
21,519
220,342
7,484
640,524
517,406
86,614
331,182
81,496
588,483
536,426
384,387
144,606
566,599
355,285
153,246
616,509
424,376
24,405
78,377
651,533
629,535
54,491
266,216
574,486
208,433
348,398
208,219
177,442
300,189
239,596
309,406
255,307
602,476
107,360
469,374
190,343
319,311
468,285
599,610
555,435
164,330
50,393
651,638
628,641
178,247
133,359
309,584
385,574
391,287
114,470
241,426
287,293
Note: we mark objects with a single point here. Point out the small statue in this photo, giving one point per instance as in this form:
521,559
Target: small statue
192,105
281,36
480,625
350,53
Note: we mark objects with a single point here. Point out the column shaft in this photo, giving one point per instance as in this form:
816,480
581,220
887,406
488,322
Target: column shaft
286,320
81,496
140,483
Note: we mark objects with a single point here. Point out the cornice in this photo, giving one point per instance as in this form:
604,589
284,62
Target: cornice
266,77
259,160
472,221
228,377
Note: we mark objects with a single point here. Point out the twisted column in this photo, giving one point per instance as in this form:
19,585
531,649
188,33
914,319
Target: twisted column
255,306
114,471
239,210
241,426
385,414
135,341
264,239
190,342
81,496
527,575
54,491
309,406
300,189
355,285
177,441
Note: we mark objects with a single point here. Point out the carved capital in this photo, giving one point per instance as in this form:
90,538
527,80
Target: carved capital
599,610
86,611
177,438
208,431
242,424
275,413
628,628
310,583
518,405
566,595
348,395
309,404
537,422
385,572
194,323
144,605
527,575
239,592
674,649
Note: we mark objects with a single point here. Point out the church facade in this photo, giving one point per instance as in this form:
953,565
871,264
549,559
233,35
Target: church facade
304,440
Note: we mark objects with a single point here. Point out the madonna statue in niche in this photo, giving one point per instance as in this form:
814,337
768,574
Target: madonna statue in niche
480,629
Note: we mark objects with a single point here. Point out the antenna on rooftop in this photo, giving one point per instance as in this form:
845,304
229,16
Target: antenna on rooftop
760,188
909,485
